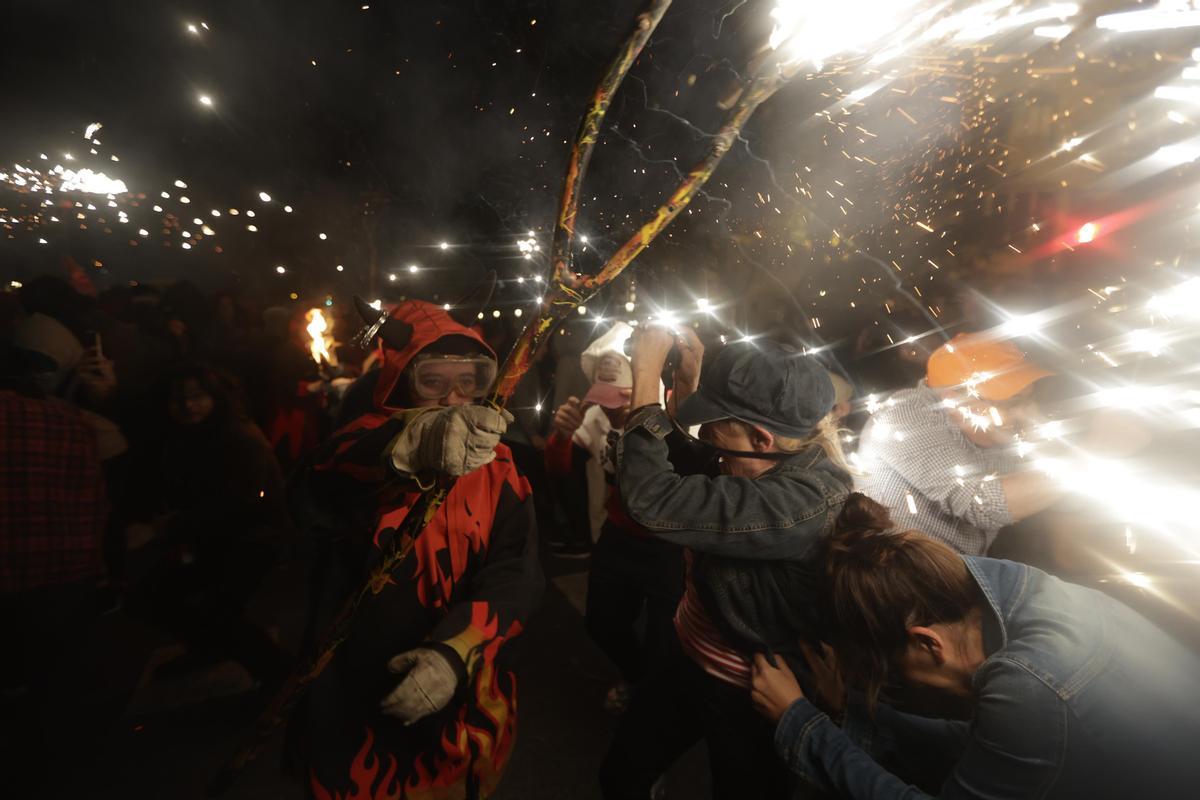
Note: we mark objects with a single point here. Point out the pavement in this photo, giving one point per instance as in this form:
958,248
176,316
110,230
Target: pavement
155,739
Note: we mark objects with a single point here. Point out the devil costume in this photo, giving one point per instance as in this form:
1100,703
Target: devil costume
467,586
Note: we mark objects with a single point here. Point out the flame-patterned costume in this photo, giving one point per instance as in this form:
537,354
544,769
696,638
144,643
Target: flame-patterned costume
468,585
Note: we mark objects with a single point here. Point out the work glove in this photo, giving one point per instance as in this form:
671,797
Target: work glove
450,441
427,687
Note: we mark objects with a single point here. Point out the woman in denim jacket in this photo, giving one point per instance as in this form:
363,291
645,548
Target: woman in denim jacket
1073,694
750,533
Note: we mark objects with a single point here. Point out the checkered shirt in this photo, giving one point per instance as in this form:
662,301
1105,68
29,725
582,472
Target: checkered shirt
930,476
52,504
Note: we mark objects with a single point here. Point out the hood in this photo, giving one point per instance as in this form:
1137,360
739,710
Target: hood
611,343
430,323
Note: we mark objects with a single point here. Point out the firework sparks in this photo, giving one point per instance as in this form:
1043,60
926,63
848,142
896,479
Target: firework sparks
813,32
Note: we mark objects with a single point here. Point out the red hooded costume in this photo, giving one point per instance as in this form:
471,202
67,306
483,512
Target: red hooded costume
468,585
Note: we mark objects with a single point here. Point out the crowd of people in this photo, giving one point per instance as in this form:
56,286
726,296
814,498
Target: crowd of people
827,626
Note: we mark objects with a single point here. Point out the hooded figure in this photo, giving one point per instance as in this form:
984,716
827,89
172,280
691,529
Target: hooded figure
419,701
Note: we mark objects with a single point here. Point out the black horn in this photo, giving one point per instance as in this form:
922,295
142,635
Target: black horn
395,333
466,311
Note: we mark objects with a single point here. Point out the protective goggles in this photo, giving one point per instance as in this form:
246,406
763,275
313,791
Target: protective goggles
434,377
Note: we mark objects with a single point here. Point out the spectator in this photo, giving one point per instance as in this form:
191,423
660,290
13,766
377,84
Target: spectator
73,374
892,355
223,530
751,533
1074,694
941,456
577,496
52,518
579,440
632,573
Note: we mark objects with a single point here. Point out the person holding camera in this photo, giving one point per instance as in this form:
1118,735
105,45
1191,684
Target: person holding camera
750,533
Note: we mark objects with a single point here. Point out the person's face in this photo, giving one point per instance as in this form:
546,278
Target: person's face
936,659
190,403
608,368
728,436
454,381
618,416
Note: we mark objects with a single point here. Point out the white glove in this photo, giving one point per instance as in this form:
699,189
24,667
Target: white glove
452,441
427,687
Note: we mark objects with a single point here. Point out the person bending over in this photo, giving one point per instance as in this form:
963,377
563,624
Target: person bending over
1073,694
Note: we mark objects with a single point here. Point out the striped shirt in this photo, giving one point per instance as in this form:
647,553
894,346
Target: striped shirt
703,643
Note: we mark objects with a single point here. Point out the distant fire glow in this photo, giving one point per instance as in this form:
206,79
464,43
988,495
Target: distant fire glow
320,341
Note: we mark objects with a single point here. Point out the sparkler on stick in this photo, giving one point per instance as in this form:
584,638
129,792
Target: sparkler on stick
566,293
562,302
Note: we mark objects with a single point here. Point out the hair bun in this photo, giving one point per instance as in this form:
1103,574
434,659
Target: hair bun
861,514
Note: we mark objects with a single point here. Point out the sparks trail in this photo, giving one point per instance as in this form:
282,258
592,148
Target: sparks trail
898,285
811,331
699,132
724,64
673,163
809,208
766,164
721,22
787,290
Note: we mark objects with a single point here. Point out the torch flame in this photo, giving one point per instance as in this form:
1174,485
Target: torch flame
317,327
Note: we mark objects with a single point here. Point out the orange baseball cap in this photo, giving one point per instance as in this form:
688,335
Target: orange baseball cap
993,369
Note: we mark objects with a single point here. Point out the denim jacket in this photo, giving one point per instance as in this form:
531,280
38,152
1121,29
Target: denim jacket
752,540
1079,697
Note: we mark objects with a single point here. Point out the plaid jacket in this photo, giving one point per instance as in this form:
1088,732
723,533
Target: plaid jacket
52,502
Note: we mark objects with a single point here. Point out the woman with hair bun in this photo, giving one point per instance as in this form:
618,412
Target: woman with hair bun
1073,694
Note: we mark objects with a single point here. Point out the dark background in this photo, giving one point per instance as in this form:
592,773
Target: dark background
431,121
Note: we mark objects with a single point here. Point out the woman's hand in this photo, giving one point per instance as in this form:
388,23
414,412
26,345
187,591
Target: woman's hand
687,371
774,688
650,347
651,344
830,688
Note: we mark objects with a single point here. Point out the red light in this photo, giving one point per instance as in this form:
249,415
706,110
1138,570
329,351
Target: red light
1087,232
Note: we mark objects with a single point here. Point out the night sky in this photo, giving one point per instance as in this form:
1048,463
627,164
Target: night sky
418,123
392,127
